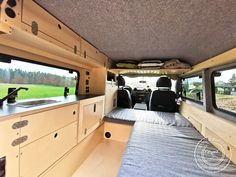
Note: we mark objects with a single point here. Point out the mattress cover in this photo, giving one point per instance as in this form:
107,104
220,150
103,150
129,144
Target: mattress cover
156,150
156,117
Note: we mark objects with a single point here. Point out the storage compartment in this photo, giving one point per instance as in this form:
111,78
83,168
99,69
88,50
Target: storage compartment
36,157
117,132
43,123
91,53
9,152
91,115
47,27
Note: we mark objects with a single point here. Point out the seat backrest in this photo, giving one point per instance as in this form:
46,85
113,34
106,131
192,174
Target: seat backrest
163,99
124,98
128,88
123,95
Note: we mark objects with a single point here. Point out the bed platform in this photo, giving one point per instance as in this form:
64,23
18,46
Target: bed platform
159,150
163,144
132,115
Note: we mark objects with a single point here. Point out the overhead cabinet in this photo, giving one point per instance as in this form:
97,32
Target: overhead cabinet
41,33
45,26
91,53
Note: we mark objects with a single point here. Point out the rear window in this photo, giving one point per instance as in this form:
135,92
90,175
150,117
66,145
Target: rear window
42,81
192,88
225,90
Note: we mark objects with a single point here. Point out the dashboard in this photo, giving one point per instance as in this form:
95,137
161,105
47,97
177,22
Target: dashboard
140,95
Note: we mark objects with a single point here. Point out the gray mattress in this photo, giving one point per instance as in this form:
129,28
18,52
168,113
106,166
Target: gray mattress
156,150
156,117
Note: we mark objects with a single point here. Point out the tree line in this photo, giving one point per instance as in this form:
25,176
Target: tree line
18,76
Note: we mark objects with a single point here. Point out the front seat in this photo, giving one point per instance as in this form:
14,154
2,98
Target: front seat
163,99
123,95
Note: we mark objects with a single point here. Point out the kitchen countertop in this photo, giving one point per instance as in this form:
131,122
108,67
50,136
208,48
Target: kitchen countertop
13,110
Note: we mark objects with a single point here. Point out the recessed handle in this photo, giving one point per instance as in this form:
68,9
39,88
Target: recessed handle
94,108
55,135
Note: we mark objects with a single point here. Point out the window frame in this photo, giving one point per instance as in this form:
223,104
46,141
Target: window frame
48,65
190,99
214,93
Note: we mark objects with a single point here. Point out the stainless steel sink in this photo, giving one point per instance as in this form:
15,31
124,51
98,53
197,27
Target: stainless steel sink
28,104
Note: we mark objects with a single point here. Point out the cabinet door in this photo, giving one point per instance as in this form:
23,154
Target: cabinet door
92,116
49,28
44,123
7,135
91,53
91,112
36,157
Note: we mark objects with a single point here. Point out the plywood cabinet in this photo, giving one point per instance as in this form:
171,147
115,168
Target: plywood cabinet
110,96
45,26
36,157
44,123
91,115
7,150
89,52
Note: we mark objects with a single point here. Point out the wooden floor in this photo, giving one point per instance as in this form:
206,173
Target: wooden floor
104,161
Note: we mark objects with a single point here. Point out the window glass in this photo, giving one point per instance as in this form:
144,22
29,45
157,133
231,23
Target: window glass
42,81
144,82
192,88
225,89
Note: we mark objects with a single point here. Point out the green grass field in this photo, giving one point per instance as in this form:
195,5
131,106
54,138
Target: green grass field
36,91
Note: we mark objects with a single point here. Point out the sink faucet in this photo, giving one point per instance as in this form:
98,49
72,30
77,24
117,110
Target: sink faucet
13,93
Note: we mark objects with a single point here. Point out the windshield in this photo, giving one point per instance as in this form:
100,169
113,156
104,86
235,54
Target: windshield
144,82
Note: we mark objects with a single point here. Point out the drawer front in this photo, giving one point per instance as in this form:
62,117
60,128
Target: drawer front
36,157
44,123
7,135
49,28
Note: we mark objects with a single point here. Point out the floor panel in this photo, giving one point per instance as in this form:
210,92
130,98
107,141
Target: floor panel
104,161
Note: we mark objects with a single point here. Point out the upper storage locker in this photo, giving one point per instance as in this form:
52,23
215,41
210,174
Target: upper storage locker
47,27
28,27
91,53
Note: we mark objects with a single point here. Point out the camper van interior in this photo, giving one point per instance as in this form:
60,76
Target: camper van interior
117,88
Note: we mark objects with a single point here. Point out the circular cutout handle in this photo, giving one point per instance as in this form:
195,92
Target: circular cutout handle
108,135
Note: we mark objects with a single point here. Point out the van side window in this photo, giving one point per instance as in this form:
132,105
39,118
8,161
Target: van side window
42,81
192,88
225,90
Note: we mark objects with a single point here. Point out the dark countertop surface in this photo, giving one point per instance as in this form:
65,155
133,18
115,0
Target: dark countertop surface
11,109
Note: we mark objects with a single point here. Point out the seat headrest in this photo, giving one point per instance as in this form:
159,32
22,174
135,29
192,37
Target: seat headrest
163,82
120,80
